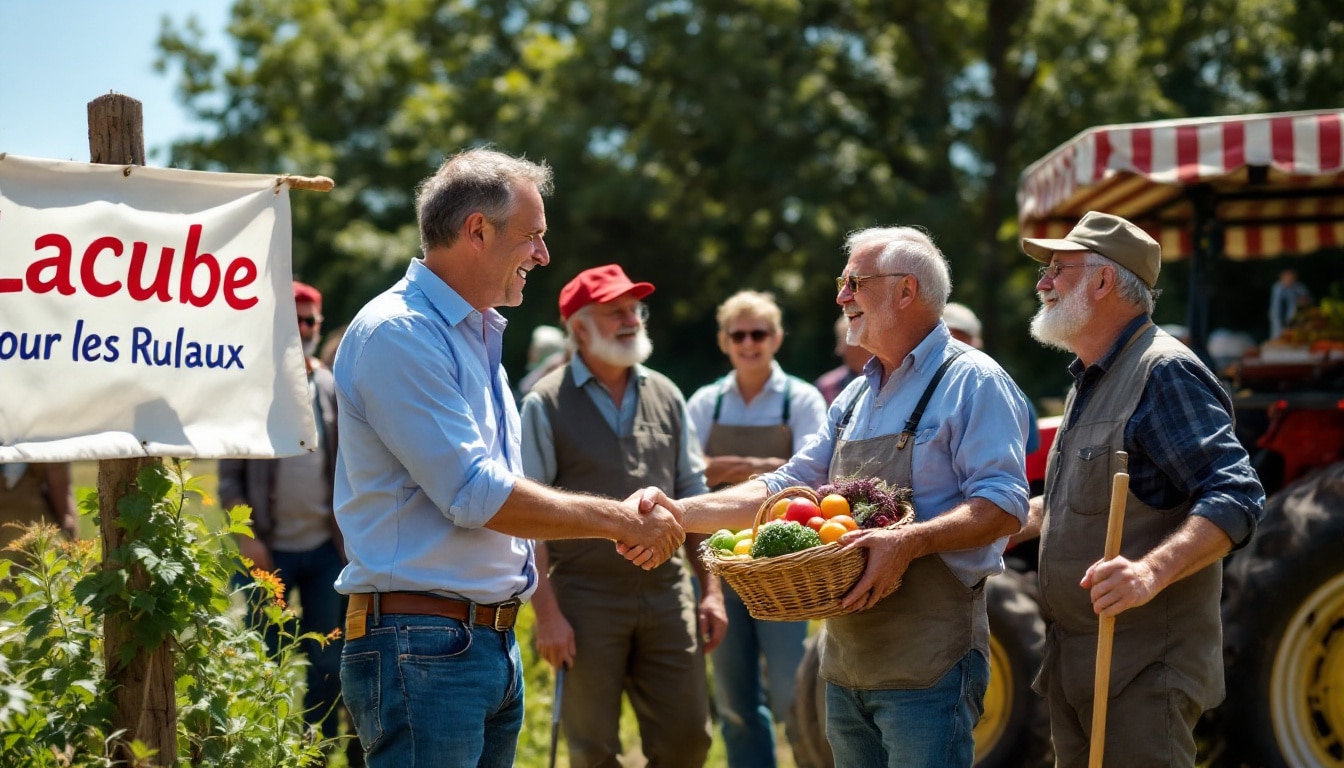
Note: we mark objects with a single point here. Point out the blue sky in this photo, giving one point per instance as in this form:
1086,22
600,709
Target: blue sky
58,55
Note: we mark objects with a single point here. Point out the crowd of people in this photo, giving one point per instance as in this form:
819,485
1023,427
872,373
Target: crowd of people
451,500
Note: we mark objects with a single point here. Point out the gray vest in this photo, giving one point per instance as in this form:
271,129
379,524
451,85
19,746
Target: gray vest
592,459
1181,627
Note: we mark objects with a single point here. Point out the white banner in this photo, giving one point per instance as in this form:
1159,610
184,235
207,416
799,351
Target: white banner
146,312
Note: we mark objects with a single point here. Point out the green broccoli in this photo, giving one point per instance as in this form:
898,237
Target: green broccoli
781,537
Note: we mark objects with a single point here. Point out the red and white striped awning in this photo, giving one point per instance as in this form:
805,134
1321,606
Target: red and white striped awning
1277,181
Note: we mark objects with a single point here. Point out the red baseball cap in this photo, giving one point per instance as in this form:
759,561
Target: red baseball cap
598,286
306,292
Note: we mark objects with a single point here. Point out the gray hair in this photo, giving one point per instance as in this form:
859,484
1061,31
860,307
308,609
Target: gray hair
480,180
1129,286
911,250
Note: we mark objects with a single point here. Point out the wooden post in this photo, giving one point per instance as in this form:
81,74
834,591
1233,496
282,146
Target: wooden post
143,693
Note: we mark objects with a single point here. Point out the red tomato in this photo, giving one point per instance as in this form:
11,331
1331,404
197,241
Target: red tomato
816,522
802,510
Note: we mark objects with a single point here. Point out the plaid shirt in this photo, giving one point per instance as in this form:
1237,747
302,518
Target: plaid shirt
1181,443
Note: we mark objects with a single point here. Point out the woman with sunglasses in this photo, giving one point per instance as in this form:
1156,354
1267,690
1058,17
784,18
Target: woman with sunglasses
749,422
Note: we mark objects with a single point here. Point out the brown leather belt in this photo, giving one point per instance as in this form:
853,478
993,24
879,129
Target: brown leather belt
500,616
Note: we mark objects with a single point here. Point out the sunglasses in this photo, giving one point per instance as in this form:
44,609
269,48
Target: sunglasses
854,282
758,335
309,319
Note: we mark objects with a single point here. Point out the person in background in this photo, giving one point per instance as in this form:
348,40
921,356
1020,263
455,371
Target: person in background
965,327
332,342
906,672
546,353
437,517
1192,499
749,423
1286,297
295,533
605,424
35,493
852,356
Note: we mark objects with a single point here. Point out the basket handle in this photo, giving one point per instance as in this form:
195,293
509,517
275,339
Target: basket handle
772,499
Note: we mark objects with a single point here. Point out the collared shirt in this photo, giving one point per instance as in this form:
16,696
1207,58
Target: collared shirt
969,444
807,408
1181,442
538,446
429,447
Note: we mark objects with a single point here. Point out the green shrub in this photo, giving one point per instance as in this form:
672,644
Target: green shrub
236,704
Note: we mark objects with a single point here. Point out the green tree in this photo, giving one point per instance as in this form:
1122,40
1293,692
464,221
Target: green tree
710,146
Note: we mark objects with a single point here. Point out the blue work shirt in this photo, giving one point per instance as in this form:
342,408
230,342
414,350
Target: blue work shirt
807,408
1181,443
429,447
539,462
969,444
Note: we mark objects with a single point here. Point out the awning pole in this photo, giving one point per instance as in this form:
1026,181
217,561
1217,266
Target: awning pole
1207,244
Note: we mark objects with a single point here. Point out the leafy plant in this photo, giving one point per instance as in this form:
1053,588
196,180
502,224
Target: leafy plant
237,705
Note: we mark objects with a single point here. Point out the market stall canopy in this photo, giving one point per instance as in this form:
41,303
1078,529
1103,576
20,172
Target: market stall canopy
1271,184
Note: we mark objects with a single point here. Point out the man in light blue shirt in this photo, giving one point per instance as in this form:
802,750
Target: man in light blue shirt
436,518
906,673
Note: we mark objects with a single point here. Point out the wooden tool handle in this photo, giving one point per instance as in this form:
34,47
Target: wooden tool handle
1101,687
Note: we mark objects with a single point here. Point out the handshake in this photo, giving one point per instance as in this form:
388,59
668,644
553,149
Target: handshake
653,531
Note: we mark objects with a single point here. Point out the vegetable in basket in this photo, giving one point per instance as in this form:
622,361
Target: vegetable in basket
782,537
873,503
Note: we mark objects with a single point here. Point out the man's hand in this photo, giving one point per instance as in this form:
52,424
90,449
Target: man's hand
1118,585
890,552
654,530
713,620
555,639
255,551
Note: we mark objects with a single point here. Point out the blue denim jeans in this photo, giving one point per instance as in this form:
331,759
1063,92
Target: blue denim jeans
431,691
745,704
929,727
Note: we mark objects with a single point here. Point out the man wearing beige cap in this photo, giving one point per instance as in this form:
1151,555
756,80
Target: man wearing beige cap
1192,498
605,424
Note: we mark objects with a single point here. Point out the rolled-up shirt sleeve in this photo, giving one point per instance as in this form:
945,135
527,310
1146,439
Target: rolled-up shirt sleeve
1183,425
989,450
408,389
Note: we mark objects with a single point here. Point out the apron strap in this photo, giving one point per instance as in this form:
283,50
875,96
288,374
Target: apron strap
723,389
913,423
849,411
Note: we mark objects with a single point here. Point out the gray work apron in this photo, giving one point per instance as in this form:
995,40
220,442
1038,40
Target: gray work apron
756,442
915,635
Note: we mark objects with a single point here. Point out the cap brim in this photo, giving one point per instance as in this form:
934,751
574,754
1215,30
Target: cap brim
1040,248
640,290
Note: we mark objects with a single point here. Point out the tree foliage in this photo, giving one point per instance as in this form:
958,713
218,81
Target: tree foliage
710,146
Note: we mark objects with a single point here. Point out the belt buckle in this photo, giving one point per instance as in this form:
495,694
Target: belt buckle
514,604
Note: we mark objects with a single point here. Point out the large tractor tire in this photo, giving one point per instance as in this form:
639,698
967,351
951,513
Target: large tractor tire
1014,731
1283,638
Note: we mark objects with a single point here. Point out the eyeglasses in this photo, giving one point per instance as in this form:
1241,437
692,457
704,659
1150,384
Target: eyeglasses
757,335
309,319
854,282
1053,270
641,311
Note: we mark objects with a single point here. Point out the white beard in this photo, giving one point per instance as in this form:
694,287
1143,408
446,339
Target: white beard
621,352
1059,325
310,346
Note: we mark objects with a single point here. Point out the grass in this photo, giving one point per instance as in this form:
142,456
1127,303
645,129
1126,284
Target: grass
534,742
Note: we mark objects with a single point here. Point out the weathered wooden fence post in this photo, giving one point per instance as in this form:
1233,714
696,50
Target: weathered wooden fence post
143,693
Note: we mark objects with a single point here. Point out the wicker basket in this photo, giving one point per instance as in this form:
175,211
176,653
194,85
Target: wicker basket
800,585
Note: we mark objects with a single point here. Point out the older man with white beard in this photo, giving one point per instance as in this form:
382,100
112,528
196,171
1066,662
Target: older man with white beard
1192,498
605,424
